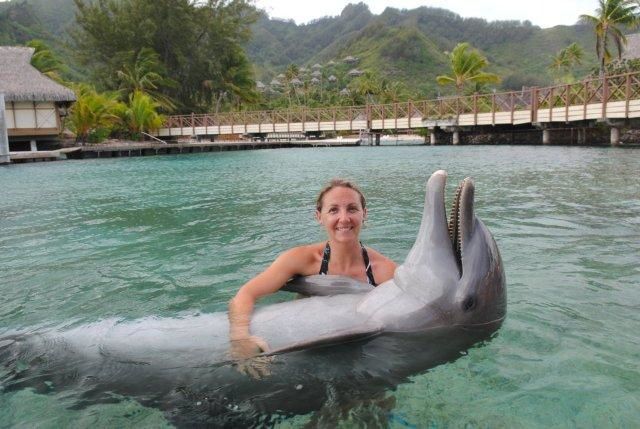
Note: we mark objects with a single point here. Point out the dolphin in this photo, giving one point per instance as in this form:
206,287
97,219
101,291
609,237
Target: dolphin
449,294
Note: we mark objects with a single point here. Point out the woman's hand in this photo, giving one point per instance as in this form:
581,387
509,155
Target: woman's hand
247,347
245,351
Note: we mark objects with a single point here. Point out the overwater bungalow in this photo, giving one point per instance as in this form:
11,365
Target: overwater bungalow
35,105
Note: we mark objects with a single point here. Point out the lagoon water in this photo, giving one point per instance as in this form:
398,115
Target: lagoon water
82,241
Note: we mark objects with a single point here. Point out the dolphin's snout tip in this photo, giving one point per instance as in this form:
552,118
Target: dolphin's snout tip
437,181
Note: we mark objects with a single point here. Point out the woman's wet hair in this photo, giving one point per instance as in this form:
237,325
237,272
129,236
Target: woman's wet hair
339,183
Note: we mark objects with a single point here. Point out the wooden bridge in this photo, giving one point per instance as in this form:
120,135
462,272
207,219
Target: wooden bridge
611,99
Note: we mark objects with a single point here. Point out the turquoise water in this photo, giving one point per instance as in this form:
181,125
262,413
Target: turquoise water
132,237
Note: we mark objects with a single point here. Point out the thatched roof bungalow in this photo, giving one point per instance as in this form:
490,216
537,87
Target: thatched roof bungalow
34,103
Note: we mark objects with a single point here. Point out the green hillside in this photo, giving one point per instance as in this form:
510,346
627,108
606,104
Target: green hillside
401,45
411,45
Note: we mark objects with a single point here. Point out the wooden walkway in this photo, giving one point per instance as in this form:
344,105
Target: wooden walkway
611,98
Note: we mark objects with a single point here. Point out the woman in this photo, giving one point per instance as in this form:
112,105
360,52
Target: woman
341,210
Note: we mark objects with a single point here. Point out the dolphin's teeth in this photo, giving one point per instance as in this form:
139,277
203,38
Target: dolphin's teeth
454,226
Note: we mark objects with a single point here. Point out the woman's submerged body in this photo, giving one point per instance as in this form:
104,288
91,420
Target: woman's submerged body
341,211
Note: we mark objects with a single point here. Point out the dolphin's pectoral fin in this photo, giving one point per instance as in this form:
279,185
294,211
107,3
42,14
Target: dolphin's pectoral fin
347,336
325,285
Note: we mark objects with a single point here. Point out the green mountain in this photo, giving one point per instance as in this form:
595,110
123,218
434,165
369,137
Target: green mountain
23,20
402,45
19,23
411,45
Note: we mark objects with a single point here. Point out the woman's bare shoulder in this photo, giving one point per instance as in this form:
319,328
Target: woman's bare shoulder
383,267
304,258
304,251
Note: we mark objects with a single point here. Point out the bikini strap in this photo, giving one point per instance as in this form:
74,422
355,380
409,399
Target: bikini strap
367,265
326,255
324,267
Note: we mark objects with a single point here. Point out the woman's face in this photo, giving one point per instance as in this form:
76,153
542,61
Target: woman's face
342,214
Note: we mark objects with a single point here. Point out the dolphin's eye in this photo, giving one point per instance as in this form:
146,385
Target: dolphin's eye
469,303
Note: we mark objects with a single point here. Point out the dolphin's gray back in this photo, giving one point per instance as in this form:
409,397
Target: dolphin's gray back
312,321
204,339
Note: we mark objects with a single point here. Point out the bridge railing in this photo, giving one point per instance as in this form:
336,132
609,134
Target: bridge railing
595,91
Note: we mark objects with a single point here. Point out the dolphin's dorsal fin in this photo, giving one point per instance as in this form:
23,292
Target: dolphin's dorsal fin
326,285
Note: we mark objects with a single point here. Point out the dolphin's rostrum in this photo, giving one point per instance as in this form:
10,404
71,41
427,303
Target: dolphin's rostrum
448,295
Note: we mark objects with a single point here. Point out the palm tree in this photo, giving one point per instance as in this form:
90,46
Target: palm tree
610,17
144,72
92,111
567,58
367,87
466,67
46,61
141,114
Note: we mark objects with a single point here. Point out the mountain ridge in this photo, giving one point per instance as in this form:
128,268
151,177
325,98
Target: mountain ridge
407,45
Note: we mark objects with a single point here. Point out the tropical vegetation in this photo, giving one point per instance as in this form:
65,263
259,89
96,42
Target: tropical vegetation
146,58
467,68
564,61
609,22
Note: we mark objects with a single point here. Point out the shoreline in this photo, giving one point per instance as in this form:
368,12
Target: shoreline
127,148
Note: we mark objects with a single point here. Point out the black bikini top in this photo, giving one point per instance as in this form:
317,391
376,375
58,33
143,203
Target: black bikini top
324,267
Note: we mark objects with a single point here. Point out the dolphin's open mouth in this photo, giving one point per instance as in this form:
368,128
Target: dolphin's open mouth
460,218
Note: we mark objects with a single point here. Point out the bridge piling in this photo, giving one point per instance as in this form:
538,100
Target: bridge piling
546,136
4,138
615,136
455,138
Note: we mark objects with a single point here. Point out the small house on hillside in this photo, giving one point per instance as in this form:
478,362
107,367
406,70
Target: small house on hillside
34,104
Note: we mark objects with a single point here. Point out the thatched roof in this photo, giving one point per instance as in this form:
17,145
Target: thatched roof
632,50
20,81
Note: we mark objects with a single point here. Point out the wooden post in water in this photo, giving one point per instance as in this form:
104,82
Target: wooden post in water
4,137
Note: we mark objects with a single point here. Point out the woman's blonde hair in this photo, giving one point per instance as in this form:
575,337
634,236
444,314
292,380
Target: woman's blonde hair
342,183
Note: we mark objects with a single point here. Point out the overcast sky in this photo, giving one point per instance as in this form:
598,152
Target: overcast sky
545,13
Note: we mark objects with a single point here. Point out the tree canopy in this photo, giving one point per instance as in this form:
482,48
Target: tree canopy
197,44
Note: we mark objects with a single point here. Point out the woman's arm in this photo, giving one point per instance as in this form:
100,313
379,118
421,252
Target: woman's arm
287,265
